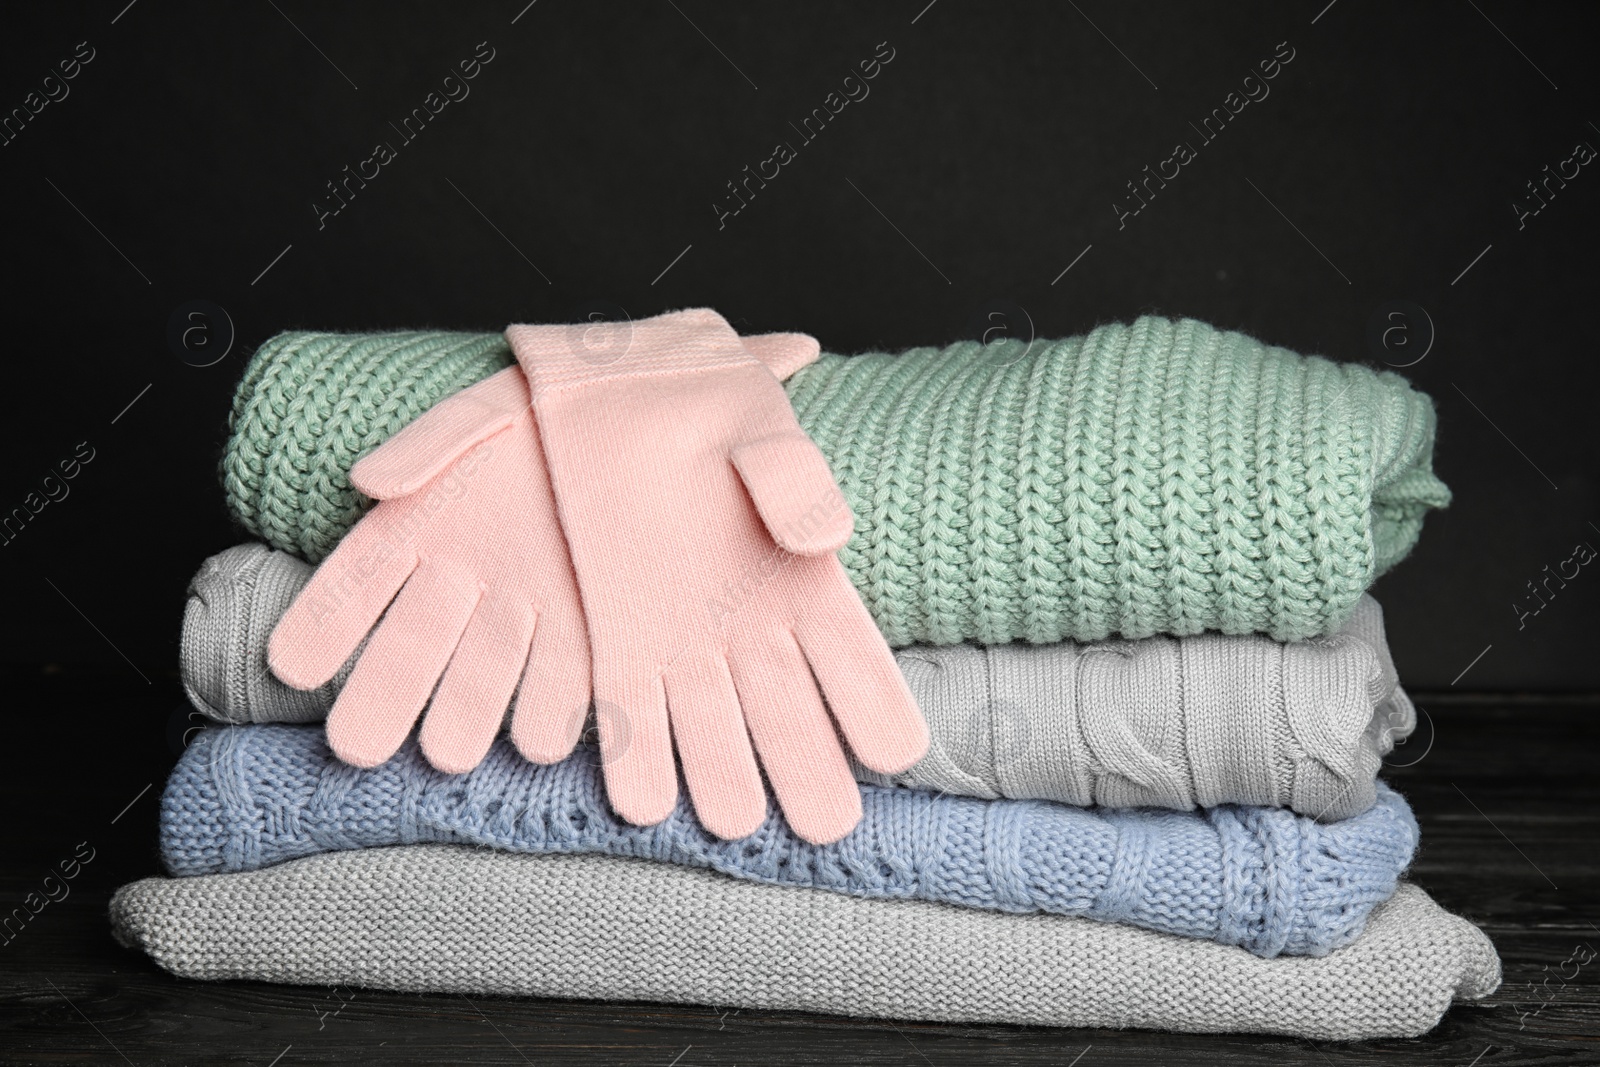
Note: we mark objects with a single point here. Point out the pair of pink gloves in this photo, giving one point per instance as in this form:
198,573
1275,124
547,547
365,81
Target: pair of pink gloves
651,529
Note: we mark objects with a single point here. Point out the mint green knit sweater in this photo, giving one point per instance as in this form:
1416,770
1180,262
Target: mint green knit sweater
1163,477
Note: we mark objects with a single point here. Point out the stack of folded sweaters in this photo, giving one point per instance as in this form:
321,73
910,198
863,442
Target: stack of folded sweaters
1125,579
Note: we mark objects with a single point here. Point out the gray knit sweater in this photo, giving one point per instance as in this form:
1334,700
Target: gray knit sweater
448,919
1160,722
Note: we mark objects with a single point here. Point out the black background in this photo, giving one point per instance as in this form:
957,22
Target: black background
995,142
985,160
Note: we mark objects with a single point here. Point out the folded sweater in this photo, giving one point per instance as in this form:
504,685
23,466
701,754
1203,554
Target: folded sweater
1159,477
1160,722
244,797
444,919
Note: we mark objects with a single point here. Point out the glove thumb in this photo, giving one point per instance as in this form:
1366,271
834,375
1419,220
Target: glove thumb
783,353
441,435
794,491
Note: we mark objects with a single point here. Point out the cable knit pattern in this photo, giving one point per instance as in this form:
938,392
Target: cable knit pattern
245,797
448,919
1161,722
1159,477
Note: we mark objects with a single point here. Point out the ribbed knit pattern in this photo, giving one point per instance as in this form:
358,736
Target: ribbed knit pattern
1159,477
245,797
1168,722
445,919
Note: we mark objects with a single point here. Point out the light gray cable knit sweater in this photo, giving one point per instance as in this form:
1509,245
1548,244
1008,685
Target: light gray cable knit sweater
1160,722
449,919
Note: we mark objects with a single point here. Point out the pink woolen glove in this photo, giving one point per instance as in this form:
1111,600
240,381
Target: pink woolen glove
467,525
703,525
465,531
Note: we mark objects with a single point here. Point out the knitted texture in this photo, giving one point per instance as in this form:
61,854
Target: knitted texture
1158,477
460,584
1160,722
1164,722
704,528
244,797
444,919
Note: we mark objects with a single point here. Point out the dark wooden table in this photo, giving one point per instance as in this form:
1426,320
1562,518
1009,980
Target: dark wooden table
1505,788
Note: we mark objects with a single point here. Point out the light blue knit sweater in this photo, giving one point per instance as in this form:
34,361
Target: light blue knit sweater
244,797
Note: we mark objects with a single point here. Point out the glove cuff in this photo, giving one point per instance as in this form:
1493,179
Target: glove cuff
562,356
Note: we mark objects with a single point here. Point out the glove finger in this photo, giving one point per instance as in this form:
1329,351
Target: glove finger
340,604
636,749
794,737
396,673
864,687
553,701
475,692
708,730
440,436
